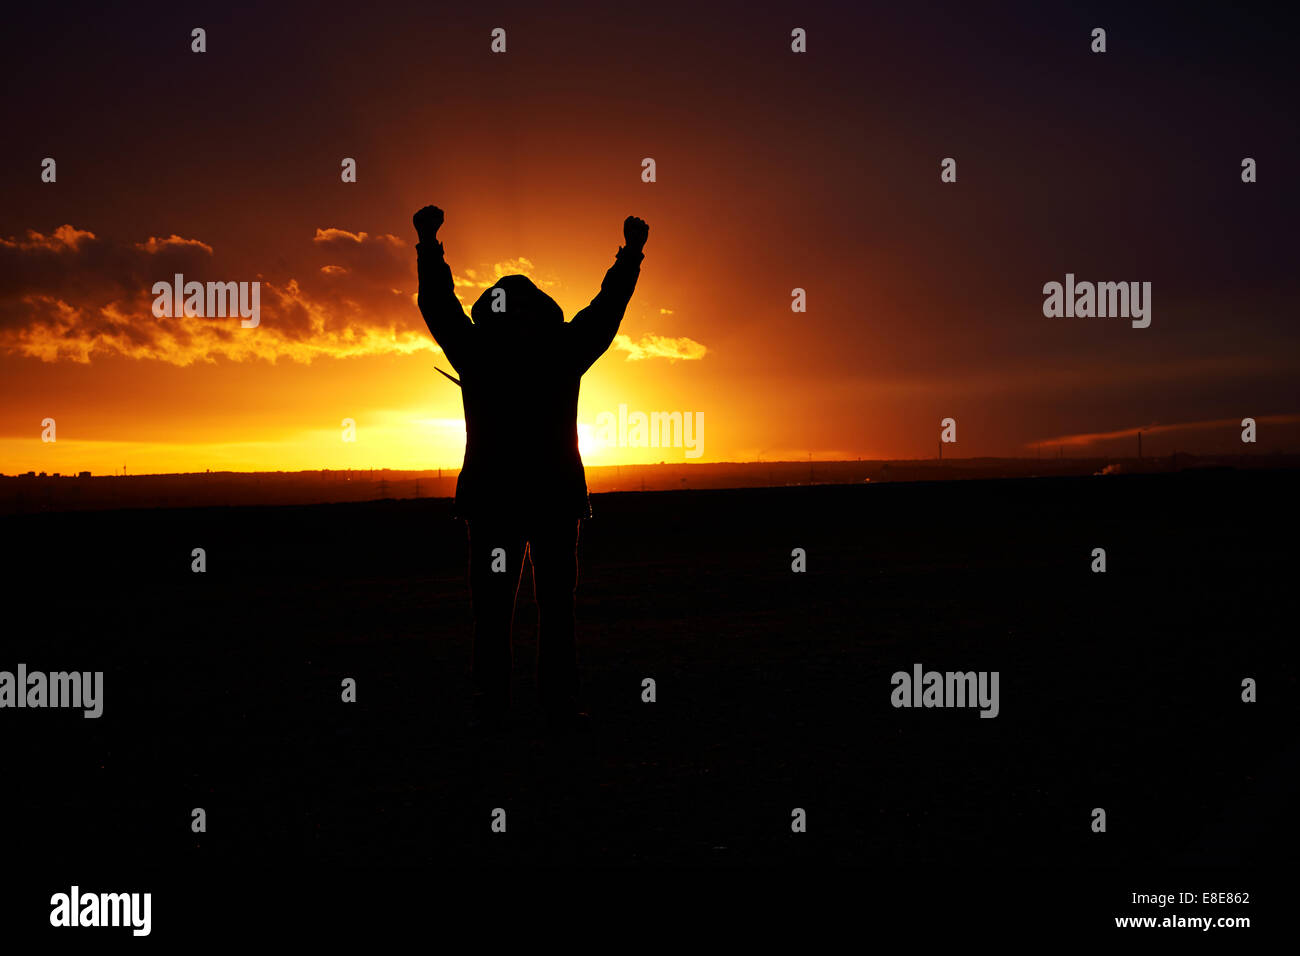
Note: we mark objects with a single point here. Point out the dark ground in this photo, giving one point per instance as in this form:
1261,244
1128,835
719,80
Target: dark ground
1119,690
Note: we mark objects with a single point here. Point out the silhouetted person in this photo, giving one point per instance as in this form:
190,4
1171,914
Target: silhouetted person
522,488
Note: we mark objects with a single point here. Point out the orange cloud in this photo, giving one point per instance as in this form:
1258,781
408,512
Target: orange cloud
65,237
156,245
71,295
1090,438
660,346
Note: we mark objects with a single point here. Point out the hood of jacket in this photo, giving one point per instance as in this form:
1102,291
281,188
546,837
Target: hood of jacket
523,306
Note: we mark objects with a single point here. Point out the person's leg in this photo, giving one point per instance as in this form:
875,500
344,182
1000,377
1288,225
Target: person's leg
553,550
492,594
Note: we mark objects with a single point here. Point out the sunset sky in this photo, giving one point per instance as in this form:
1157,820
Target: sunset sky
775,170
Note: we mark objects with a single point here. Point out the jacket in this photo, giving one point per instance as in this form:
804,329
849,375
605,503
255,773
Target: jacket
520,367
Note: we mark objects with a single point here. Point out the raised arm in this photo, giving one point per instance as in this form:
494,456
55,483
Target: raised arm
596,325
437,297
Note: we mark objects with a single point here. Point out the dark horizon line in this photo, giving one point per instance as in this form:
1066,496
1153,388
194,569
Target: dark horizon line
1273,454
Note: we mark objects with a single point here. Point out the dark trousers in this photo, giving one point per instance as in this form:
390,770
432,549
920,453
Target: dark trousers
551,548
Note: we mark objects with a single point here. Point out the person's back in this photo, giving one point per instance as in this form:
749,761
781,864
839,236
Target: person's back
520,384
522,488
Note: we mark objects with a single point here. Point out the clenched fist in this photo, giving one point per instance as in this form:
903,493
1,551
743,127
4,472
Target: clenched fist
635,232
427,222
